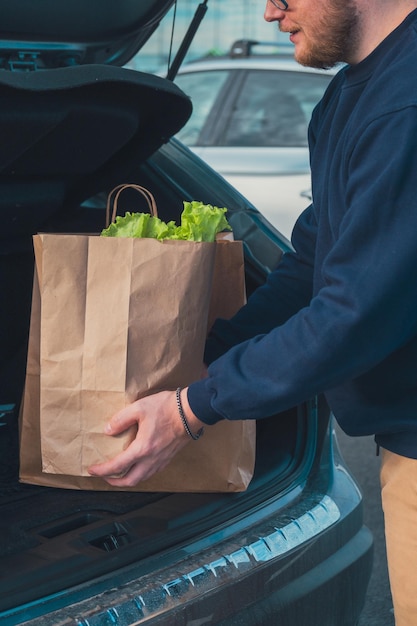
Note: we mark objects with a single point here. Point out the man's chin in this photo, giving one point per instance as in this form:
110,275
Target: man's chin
302,53
304,57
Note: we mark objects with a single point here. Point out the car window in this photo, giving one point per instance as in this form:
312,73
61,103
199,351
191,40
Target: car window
203,88
274,108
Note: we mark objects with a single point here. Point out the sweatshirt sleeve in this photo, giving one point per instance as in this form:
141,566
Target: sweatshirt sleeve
365,308
285,292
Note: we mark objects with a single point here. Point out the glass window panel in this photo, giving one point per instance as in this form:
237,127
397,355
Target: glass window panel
274,109
203,88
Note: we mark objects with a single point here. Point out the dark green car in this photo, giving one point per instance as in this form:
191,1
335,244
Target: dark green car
290,550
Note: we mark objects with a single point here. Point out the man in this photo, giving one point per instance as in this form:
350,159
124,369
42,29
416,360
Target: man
341,311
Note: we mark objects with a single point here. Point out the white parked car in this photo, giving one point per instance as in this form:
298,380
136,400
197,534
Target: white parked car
249,122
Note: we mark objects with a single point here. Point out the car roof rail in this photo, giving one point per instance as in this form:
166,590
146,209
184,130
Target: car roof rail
243,48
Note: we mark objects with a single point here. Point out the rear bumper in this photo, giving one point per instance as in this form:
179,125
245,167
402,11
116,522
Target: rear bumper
333,592
307,564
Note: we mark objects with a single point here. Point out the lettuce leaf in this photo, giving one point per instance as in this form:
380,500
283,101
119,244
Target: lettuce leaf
199,222
202,222
139,225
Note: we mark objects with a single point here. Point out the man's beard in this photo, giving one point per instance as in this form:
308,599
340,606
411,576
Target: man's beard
335,36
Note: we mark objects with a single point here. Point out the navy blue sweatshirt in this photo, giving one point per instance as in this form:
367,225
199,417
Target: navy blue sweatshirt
339,315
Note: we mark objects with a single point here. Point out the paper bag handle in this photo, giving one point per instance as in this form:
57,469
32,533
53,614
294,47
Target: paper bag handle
113,198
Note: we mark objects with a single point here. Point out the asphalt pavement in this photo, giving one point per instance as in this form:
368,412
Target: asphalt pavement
359,454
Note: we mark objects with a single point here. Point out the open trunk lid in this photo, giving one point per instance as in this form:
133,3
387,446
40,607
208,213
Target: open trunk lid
60,34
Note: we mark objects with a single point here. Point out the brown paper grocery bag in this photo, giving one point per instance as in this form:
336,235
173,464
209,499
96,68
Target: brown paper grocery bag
120,318
224,456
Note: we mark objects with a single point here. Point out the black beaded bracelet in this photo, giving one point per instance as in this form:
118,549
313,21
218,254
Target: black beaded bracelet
184,419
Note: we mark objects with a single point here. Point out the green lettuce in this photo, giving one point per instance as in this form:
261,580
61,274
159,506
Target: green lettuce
199,222
202,222
139,225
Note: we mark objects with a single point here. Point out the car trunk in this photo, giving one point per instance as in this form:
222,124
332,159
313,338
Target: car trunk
70,135
52,539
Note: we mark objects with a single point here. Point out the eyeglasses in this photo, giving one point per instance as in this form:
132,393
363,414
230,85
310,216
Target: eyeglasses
282,5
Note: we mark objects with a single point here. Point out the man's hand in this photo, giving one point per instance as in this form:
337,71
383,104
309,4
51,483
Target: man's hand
160,436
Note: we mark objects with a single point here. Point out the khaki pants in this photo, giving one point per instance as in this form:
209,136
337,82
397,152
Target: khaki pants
399,501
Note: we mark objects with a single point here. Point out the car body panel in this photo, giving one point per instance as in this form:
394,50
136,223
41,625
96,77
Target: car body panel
275,180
